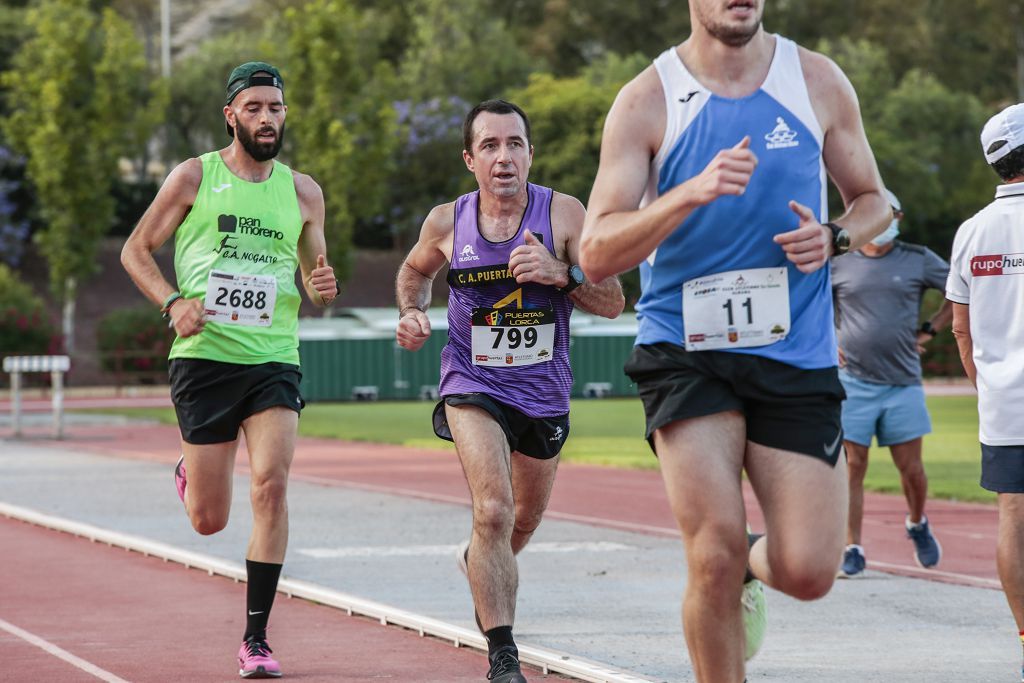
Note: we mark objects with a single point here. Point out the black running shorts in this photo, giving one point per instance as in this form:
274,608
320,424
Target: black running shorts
537,437
786,407
212,398
1002,468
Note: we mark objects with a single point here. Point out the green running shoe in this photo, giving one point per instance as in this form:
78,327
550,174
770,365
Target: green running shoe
755,616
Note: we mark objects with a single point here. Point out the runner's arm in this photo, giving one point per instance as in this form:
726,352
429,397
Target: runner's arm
602,298
617,235
317,277
415,276
962,333
169,208
847,154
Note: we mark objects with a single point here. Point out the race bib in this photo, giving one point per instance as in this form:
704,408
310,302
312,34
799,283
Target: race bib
513,336
238,299
736,309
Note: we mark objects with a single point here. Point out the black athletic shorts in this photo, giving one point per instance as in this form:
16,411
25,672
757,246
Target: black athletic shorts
786,407
212,399
1002,468
537,437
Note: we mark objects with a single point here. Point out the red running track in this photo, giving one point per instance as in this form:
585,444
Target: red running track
141,619
631,500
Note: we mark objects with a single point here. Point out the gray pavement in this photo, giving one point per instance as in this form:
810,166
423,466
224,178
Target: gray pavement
612,597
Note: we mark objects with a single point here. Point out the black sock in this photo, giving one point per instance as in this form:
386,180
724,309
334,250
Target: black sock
259,596
499,637
751,540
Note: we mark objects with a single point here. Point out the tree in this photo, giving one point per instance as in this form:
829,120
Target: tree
81,98
339,93
925,139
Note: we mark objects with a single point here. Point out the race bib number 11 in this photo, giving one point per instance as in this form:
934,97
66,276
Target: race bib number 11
238,299
736,309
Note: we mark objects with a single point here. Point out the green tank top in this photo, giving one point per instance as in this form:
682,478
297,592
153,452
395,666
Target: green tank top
237,250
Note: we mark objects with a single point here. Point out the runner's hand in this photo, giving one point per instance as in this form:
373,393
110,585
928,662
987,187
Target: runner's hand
532,262
810,245
188,316
727,174
842,358
323,282
922,339
413,329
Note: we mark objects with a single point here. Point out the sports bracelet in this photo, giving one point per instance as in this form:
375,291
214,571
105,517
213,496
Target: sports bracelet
401,312
165,310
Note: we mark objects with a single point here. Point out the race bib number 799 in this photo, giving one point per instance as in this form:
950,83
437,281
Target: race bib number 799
512,336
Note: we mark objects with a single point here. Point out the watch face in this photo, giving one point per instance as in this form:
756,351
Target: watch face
576,274
842,242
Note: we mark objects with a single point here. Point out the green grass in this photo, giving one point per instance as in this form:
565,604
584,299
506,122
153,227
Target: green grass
610,432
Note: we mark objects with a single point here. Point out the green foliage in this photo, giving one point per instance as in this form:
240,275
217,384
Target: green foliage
460,49
340,92
24,326
80,99
195,119
925,140
134,340
567,115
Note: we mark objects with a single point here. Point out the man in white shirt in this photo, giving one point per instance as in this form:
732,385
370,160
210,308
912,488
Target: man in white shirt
986,286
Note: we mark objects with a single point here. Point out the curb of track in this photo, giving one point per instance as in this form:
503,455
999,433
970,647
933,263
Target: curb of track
548,660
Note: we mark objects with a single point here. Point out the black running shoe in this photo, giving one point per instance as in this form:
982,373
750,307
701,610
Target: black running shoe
505,666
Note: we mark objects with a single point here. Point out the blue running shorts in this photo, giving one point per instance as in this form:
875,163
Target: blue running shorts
892,413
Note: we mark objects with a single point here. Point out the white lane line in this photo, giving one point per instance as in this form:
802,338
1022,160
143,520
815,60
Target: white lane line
444,550
456,500
548,660
60,653
912,571
934,574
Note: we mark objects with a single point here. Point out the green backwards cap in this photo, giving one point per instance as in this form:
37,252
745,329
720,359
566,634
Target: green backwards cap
243,77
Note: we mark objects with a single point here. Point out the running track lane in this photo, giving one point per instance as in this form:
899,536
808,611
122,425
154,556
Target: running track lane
632,500
72,610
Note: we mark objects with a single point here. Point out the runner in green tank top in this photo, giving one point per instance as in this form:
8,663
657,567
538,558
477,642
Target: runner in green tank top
242,222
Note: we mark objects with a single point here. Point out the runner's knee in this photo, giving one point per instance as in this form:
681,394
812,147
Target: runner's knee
207,520
493,517
269,493
804,577
717,564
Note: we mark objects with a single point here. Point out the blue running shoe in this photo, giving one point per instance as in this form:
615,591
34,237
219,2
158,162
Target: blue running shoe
927,550
853,562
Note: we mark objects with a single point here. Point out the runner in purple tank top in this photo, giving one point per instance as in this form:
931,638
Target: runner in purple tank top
511,248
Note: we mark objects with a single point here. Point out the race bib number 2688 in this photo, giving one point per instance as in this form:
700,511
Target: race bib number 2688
239,299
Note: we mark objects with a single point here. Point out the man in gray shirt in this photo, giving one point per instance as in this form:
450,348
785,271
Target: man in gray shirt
877,292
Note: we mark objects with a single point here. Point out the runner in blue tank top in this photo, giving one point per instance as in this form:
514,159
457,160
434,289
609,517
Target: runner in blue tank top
713,180
511,248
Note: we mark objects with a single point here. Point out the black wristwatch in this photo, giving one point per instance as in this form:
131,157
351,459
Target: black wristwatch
928,328
840,239
576,278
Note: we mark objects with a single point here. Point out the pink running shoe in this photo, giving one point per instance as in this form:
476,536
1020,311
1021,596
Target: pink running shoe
179,477
254,660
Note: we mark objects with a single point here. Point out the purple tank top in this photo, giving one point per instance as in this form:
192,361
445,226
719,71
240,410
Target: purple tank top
483,291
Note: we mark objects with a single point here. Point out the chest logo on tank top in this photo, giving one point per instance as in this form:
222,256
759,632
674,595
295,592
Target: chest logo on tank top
782,136
467,254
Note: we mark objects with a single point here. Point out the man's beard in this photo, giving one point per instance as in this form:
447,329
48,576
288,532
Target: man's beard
260,151
733,36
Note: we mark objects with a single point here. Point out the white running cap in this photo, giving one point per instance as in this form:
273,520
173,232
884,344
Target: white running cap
1003,133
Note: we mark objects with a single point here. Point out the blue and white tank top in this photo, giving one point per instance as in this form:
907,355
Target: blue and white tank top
735,232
